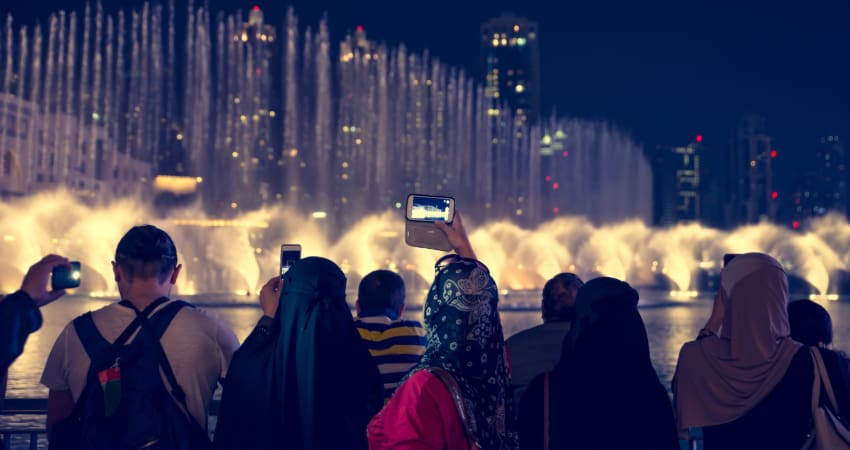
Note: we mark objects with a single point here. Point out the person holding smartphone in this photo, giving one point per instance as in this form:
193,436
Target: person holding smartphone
20,315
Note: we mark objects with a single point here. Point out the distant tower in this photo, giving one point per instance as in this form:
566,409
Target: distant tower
752,197
831,166
510,60
676,183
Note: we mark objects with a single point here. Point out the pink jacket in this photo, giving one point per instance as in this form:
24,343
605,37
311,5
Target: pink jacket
421,415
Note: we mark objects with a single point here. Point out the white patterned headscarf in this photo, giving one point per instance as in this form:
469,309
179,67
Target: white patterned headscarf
465,338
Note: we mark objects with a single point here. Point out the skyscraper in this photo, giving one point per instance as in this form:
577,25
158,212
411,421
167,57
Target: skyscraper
751,195
510,60
676,183
824,188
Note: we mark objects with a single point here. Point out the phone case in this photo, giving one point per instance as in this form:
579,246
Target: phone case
425,235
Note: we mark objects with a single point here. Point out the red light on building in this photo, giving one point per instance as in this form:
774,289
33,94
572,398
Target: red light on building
555,185
795,224
256,7
359,27
774,195
548,178
773,153
555,210
565,154
699,138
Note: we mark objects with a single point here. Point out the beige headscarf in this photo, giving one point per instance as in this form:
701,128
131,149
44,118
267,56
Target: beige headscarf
721,378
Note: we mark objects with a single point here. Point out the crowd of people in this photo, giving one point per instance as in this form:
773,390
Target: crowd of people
140,373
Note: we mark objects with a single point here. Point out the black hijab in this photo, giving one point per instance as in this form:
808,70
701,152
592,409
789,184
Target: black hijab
604,392
307,383
465,338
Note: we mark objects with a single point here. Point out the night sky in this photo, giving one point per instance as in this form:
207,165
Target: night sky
665,72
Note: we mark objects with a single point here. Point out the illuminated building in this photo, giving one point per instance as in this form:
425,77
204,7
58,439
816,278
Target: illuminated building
44,151
824,188
676,183
510,60
751,196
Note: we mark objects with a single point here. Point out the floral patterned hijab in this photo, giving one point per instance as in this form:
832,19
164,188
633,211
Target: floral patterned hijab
465,338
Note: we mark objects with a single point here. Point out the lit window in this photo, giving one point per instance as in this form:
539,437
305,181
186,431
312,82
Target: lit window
495,42
519,88
516,28
520,41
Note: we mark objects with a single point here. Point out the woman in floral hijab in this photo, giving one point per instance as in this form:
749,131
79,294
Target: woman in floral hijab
466,349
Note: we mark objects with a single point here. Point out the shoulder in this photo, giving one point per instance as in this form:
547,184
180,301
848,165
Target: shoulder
423,384
526,334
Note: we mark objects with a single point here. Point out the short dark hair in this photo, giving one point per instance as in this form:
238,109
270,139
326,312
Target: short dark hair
556,304
380,291
146,252
810,323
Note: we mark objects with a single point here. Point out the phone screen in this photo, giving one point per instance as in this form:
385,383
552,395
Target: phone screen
289,255
426,208
66,277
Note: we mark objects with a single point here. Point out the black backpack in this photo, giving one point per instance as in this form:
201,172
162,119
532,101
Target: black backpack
138,412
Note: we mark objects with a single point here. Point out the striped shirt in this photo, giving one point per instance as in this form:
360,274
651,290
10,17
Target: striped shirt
396,345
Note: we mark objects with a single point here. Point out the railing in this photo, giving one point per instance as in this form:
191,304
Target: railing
38,407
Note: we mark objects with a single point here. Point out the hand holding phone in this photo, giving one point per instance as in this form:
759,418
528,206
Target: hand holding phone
422,213
289,255
66,277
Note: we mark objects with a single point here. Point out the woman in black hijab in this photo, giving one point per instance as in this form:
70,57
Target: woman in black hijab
604,392
304,379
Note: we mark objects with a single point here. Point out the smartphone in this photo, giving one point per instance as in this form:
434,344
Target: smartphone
65,277
422,212
429,208
729,257
289,255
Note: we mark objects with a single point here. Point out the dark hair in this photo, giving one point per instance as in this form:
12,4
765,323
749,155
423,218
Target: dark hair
381,292
146,252
557,301
810,323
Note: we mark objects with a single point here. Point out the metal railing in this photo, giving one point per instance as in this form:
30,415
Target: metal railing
38,407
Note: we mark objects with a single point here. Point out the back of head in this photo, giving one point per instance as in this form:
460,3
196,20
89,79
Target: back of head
810,323
381,293
755,299
600,299
146,252
315,278
559,296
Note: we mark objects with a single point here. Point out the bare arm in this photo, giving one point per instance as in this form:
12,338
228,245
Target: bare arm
60,404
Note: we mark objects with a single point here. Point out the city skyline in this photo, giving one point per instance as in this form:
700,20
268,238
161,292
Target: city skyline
664,72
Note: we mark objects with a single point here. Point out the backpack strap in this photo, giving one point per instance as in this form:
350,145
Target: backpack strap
154,328
546,411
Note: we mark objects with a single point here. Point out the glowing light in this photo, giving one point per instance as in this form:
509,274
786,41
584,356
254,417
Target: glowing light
555,185
516,27
235,154
293,152
821,297
548,178
175,184
320,214
555,210
684,294
795,224
520,41
234,205
179,136
753,163
565,154
397,205
256,7
9,238
220,223
699,138
359,27
773,153
774,195
519,88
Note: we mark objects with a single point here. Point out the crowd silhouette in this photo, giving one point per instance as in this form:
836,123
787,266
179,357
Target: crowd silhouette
312,376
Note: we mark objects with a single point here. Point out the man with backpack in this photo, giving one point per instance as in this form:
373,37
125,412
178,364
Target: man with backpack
138,373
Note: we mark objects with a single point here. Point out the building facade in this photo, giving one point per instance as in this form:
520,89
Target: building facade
510,60
751,196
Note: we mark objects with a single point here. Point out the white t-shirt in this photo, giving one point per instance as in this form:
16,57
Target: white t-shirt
198,344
